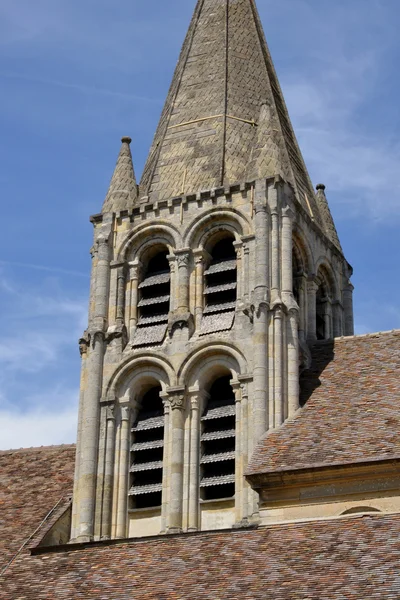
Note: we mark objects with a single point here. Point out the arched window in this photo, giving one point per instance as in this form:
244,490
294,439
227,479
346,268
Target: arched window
154,300
147,452
218,442
220,287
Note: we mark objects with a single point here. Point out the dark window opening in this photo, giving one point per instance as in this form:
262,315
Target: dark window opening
154,302
221,277
146,469
218,442
217,492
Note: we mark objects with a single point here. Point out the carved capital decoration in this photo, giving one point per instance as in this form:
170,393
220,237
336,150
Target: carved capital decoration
125,412
175,397
177,402
183,259
110,412
84,343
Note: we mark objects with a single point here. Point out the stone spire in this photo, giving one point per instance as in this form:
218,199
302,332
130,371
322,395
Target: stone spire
326,215
209,127
123,190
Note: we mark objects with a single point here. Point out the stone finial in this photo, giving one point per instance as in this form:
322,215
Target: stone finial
321,187
123,190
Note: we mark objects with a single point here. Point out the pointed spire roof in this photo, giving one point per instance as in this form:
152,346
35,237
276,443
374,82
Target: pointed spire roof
326,215
225,118
123,191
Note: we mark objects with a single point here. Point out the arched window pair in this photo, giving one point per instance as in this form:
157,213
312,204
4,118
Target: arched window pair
217,447
154,297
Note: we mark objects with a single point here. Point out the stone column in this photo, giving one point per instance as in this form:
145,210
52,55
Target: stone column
337,310
177,407
239,479
261,297
197,400
302,283
90,423
123,471
244,457
174,283
275,262
278,366
120,308
108,473
134,275
239,271
246,269
348,309
183,258
287,246
199,260
83,349
328,319
166,465
312,288
293,362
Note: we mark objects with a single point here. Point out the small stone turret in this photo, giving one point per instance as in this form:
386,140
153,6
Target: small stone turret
326,215
123,190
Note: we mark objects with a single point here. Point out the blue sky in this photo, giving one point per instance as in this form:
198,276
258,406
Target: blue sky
77,75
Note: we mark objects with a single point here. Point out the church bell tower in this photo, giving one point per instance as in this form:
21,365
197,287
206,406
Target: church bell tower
210,281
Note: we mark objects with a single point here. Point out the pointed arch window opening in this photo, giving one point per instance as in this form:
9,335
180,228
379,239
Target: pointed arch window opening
218,442
147,453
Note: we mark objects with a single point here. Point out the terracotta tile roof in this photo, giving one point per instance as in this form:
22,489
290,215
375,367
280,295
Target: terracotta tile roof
349,558
352,412
32,481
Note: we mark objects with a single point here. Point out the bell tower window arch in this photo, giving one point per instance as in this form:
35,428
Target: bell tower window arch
147,451
218,441
154,296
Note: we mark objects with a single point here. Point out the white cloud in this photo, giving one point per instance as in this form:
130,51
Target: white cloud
40,427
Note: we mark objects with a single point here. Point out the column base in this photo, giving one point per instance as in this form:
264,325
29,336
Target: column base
174,530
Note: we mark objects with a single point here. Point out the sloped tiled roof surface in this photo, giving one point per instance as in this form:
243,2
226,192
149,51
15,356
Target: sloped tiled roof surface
225,118
350,558
352,410
32,481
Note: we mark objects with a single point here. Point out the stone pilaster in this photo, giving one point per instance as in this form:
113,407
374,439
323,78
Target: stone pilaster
312,288
183,259
108,473
239,270
176,398
348,309
123,470
197,399
134,276
91,412
261,296
199,259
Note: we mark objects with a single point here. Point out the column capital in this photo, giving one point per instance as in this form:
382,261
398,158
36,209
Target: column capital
125,409
183,257
287,212
201,256
197,397
174,398
110,412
